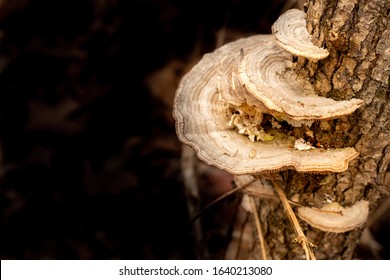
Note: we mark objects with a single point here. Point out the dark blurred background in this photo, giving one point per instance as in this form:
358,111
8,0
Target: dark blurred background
89,158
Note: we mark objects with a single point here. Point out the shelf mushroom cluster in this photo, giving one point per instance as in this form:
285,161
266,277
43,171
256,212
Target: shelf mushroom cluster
221,103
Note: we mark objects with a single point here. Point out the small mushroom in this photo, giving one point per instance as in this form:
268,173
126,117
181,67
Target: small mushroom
202,121
335,218
263,72
292,35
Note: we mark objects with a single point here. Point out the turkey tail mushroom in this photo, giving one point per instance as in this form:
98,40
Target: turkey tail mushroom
220,103
264,73
335,218
291,34
202,121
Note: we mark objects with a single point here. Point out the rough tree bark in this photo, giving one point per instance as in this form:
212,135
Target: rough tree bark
357,34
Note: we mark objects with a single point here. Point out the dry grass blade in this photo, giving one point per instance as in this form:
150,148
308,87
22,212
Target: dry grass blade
301,239
219,199
258,227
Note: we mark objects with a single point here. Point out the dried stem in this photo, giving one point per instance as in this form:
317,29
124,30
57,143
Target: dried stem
258,227
301,239
219,199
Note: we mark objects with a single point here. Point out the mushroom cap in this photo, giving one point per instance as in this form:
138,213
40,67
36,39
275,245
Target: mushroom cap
229,85
292,35
340,220
202,122
264,73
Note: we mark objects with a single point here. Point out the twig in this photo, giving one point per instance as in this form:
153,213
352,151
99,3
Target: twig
219,199
258,227
301,239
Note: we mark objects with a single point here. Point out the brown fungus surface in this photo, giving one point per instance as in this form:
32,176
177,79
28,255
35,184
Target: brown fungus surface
202,121
292,35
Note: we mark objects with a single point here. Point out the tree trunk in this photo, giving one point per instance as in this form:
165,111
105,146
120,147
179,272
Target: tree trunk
357,34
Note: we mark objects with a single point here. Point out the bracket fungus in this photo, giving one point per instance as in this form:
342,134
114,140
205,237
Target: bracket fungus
264,73
220,104
335,218
291,34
